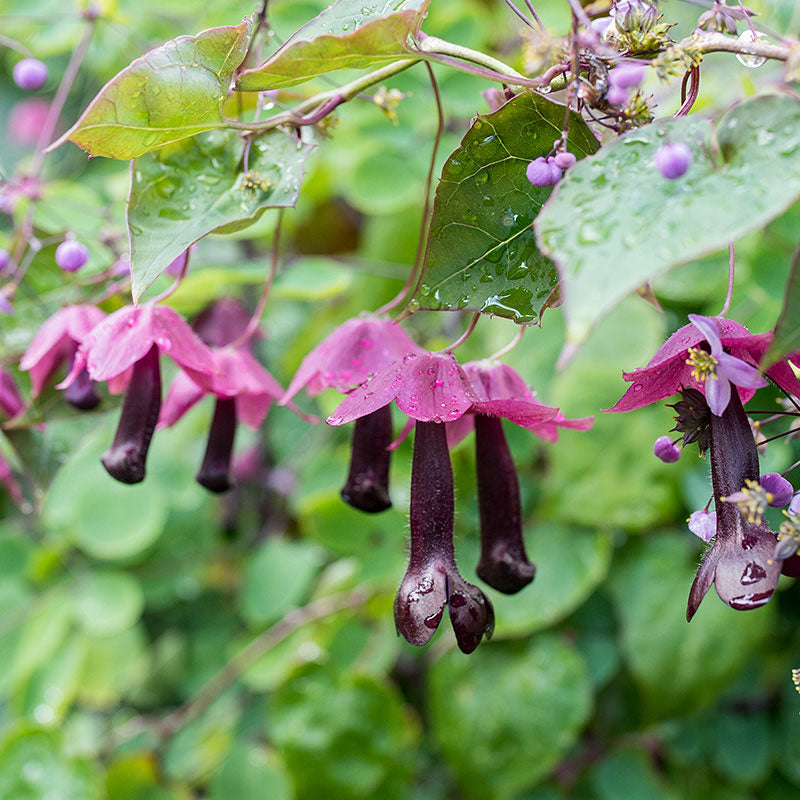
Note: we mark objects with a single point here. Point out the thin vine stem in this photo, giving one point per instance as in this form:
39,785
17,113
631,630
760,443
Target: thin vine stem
464,336
510,346
178,280
255,320
424,227
731,275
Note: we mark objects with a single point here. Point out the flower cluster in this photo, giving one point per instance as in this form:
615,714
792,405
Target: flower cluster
713,362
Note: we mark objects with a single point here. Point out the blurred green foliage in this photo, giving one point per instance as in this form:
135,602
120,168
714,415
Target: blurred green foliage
118,604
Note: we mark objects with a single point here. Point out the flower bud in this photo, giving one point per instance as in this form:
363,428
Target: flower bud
30,74
539,172
634,15
664,449
617,96
626,76
673,159
565,160
780,489
71,255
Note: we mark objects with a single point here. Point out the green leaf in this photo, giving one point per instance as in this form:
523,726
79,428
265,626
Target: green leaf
171,93
743,751
615,223
628,774
34,766
185,191
349,34
247,771
277,578
482,254
503,717
355,730
678,666
108,602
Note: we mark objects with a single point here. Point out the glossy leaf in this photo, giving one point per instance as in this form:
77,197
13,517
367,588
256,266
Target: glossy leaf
187,190
349,34
505,716
616,223
787,331
171,93
482,254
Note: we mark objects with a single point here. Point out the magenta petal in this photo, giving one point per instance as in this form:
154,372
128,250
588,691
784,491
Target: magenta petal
11,402
183,394
493,381
652,384
718,394
708,327
177,340
459,429
251,409
347,357
549,430
118,342
739,372
525,413
75,322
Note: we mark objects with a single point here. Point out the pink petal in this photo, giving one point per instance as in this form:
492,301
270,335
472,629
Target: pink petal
522,412
11,402
251,409
707,326
177,340
549,430
183,394
407,428
739,372
782,374
495,381
427,387
349,355
459,429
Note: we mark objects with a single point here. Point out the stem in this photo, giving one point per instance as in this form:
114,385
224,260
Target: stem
177,282
719,43
519,13
687,101
12,44
534,14
248,655
510,346
464,336
414,275
252,326
433,45
731,273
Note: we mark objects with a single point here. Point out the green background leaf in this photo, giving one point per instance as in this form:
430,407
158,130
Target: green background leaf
482,253
615,222
182,192
350,34
171,93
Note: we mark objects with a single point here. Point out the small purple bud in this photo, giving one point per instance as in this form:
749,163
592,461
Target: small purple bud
780,489
626,76
125,459
71,255
214,471
703,524
664,449
367,487
539,172
565,160
617,96
30,73
5,305
555,170
673,159
4,259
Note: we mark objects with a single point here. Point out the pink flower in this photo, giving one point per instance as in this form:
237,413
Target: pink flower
347,357
11,402
132,339
734,352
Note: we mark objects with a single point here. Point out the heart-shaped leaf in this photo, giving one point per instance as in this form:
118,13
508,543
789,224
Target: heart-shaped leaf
482,253
350,34
616,223
170,93
186,190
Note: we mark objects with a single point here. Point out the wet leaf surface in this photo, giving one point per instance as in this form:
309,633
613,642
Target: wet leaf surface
185,191
616,223
170,93
350,34
482,254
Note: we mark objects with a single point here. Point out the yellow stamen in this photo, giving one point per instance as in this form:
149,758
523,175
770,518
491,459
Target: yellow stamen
703,364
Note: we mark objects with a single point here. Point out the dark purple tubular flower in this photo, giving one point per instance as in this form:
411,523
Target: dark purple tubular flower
213,473
432,579
741,562
125,459
124,348
367,486
503,564
344,361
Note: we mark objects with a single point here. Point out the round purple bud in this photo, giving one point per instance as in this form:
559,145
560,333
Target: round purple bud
30,73
5,305
4,259
539,173
555,170
626,76
673,159
617,96
71,255
664,449
780,489
565,160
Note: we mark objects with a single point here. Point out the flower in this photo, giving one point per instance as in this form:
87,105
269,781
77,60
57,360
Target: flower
626,76
344,360
133,338
680,362
666,450
740,562
57,342
432,579
11,403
